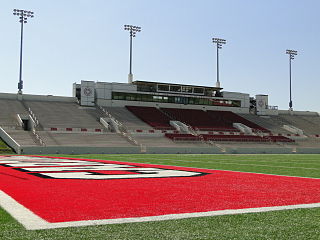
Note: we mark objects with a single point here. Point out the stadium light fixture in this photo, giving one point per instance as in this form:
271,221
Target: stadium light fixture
219,43
133,30
291,54
23,18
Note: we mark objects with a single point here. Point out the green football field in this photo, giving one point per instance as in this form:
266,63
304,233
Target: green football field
287,224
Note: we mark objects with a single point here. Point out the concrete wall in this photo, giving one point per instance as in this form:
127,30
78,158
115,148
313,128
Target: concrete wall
258,150
165,150
79,150
298,113
243,97
104,89
87,93
30,97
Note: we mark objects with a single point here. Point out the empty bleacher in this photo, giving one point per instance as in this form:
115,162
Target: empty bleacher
309,124
227,118
63,114
8,112
127,118
213,128
23,138
232,138
198,119
80,139
273,123
210,120
151,116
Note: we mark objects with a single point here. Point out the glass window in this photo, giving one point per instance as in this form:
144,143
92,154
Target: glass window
175,99
186,89
198,90
175,88
164,88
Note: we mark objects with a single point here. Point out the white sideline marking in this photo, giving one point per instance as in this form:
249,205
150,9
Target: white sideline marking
33,222
23,215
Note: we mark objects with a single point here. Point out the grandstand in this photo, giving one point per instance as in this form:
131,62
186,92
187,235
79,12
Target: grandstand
152,117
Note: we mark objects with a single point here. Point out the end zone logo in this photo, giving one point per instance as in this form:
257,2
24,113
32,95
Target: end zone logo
53,192
79,169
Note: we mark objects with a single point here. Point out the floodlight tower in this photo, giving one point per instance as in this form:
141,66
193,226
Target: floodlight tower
219,43
291,53
23,18
133,31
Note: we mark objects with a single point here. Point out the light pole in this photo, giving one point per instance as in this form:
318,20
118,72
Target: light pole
23,18
291,53
219,43
133,31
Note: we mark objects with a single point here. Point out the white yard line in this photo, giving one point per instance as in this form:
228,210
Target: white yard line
165,164
227,163
226,159
248,164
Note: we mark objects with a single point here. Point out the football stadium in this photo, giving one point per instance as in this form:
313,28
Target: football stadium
154,117
156,160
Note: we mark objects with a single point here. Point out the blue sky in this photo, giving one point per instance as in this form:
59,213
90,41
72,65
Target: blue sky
73,40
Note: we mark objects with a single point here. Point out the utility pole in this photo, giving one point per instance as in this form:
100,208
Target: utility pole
133,31
219,43
23,18
291,53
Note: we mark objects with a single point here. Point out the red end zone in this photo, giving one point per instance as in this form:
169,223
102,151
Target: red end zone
45,192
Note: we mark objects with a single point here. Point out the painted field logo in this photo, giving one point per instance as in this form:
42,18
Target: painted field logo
52,192
79,169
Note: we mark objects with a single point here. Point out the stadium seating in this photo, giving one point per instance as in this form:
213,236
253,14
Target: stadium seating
222,137
182,137
8,111
83,139
227,118
63,114
272,123
152,116
210,120
198,119
278,139
127,118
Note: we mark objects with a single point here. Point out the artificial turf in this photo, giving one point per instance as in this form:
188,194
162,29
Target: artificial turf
4,149
289,224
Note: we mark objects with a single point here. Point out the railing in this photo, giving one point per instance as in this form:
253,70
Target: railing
119,124
38,138
122,129
36,121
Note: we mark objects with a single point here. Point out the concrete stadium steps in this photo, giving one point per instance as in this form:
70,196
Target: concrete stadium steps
63,114
309,124
23,138
83,139
9,110
273,123
127,118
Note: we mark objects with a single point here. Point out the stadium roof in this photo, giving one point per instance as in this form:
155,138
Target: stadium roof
175,84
